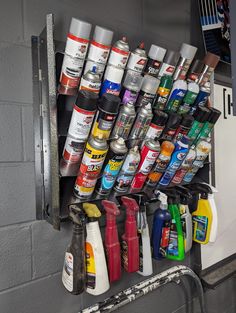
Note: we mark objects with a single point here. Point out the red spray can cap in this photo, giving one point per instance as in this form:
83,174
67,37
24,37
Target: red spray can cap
130,205
111,210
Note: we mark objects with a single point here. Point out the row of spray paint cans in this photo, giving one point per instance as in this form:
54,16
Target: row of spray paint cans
88,266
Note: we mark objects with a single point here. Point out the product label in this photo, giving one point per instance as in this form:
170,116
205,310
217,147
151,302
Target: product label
140,126
166,69
190,97
99,66
162,96
175,100
177,179
118,57
71,71
200,226
122,126
90,266
144,98
76,47
90,86
165,238
173,241
195,130
129,96
180,132
110,87
154,131
201,98
136,62
182,69
103,124
152,67
98,52
184,108
207,76
73,150
159,168
80,124
67,273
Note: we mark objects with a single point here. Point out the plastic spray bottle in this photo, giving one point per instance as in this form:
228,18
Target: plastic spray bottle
112,243
74,269
145,256
161,228
130,240
97,276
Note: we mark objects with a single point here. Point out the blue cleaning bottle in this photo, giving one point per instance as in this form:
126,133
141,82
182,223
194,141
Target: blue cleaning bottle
161,229
179,154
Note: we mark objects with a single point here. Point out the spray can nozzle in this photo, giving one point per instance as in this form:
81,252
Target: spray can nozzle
111,209
77,215
131,205
91,210
202,189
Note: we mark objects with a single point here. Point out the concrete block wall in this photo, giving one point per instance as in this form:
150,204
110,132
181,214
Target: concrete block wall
31,252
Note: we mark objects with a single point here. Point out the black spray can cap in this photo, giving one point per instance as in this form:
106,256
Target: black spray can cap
109,103
171,57
87,100
201,114
214,115
174,120
187,121
159,118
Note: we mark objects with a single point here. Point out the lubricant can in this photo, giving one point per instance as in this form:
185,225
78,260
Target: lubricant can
90,168
187,53
128,170
200,116
131,87
161,163
148,91
75,53
91,81
112,165
155,57
172,124
124,121
177,94
137,59
149,154
73,150
119,53
169,63
99,49
112,80
210,62
163,92
141,124
157,125
108,108
184,127
185,166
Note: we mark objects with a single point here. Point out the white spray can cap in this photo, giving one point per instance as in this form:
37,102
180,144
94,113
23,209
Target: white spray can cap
187,51
150,84
103,35
114,74
80,28
157,53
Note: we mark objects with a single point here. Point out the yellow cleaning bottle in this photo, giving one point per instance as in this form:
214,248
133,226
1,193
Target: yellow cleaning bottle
202,217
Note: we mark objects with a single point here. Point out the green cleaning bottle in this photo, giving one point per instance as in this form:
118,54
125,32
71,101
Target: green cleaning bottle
176,249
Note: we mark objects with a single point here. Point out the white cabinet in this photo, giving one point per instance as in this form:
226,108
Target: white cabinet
225,179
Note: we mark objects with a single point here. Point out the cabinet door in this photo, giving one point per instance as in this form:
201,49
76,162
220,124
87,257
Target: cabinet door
225,177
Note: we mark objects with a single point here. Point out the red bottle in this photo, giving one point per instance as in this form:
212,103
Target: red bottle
112,243
130,241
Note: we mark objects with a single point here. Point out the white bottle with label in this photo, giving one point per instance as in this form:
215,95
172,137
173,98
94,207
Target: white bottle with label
214,225
97,274
186,219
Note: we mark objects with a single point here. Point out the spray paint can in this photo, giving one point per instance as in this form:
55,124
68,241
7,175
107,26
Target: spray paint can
163,92
91,81
187,53
149,154
131,87
202,149
81,121
202,97
169,63
184,127
75,53
177,94
124,121
99,49
186,165
161,163
128,170
108,108
210,62
172,124
137,59
90,168
112,80
141,124
148,91
119,53
200,116
189,98
195,71
179,154
157,125
112,165
155,57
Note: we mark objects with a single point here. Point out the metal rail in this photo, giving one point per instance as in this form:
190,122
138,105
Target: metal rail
133,293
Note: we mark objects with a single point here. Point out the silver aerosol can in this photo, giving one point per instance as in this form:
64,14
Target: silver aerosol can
131,87
91,81
124,121
119,53
137,59
128,170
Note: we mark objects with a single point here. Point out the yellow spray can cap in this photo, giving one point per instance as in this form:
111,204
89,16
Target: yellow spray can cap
91,210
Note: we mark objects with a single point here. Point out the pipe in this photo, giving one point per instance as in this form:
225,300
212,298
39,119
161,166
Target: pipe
126,296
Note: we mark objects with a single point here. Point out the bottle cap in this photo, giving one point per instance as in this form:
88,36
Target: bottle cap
114,74
214,115
91,210
184,140
80,28
159,118
201,114
133,81
211,59
150,84
187,51
109,103
171,57
167,147
103,35
174,120
156,53
187,121
87,100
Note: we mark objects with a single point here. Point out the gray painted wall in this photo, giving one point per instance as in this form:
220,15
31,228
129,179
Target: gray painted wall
32,252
